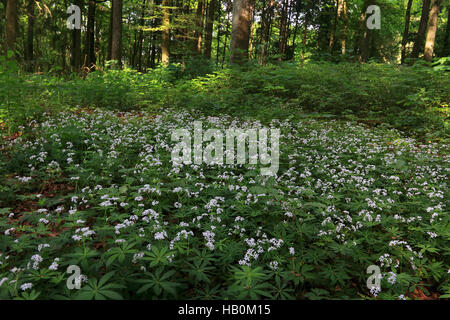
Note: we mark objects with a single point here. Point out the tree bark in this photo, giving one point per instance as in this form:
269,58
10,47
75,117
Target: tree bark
199,27
406,30
418,44
227,27
219,29
344,38
432,28
360,32
266,22
90,36
141,36
283,29
76,43
446,47
305,29
364,48
209,28
116,32
242,14
165,38
30,36
294,37
11,25
334,25
252,31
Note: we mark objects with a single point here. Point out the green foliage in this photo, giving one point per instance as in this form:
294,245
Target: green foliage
412,99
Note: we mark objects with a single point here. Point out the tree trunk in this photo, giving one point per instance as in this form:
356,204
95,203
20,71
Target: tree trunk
418,44
63,49
446,47
141,36
360,32
98,48
199,27
242,14
283,29
11,25
364,48
90,36
294,37
334,25
219,28
305,29
209,28
76,43
406,31
344,38
165,38
227,27
431,32
266,21
252,31
30,36
116,32
108,55
154,49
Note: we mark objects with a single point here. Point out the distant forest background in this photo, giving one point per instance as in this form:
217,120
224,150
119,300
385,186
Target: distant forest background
142,34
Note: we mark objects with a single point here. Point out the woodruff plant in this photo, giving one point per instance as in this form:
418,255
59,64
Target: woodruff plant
214,152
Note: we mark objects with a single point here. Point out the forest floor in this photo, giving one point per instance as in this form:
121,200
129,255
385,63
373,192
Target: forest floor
98,190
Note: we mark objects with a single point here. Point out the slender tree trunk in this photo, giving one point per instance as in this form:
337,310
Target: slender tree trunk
154,49
63,49
76,43
186,12
227,28
418,44
364,47
209,28
252,31
98,48
362,27
199,27
219,29
30,36
11,25
305,29
294,37
141,36
446,47
90,36
2,26
266,22
283,29
406,30
344,38
165,37
334,25
262,32
108,56
116,32
133,52
432,28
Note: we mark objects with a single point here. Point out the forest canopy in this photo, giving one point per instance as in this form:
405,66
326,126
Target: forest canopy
142,34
